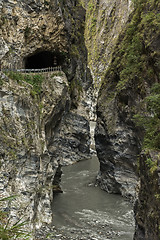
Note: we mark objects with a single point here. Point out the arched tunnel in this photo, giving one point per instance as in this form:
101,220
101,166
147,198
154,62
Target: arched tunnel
43,59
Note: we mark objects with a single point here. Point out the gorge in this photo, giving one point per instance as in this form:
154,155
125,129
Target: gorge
109,54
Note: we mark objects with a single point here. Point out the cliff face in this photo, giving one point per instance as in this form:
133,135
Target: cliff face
44,117
147,206
54,28
29,26
27,167
128,116
115,142
104,22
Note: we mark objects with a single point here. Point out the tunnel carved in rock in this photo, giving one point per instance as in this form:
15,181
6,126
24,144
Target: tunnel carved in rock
43,59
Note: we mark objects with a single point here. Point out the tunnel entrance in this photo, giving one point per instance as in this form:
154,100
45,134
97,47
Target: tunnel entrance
43,59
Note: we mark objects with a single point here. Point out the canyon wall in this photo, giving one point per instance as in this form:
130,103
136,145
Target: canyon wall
116,141
28,168
44,116
147,206
128,117
104,22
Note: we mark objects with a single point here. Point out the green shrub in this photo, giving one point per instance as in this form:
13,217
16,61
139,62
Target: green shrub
34,79
150,120
135,61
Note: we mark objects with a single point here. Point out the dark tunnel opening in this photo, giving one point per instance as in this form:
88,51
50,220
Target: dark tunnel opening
43,59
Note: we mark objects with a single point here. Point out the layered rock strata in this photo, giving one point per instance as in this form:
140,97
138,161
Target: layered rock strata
127,101
116,143
43,130
104,22
28,169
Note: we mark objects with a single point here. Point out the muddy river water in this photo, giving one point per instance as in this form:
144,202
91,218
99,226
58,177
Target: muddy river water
83,211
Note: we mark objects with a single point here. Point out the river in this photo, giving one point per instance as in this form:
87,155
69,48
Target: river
85,212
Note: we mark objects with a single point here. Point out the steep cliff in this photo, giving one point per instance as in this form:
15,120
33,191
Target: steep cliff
27,167
104,22
128,115
44,117
147,206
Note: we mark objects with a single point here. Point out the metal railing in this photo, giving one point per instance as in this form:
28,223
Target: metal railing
40,70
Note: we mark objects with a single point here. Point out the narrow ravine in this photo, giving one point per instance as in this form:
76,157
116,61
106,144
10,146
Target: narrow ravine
84,211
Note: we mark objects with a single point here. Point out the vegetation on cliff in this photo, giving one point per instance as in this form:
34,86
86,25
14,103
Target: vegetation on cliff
104,22
135,65
9,230
139,60
150,119
34,79
132,82
36,116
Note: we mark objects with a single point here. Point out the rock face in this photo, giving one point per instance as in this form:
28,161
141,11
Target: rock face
128,83
30,26
53,29
42,126
147,206
72,141
116,141
116,149
45,123
27,167
104,22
